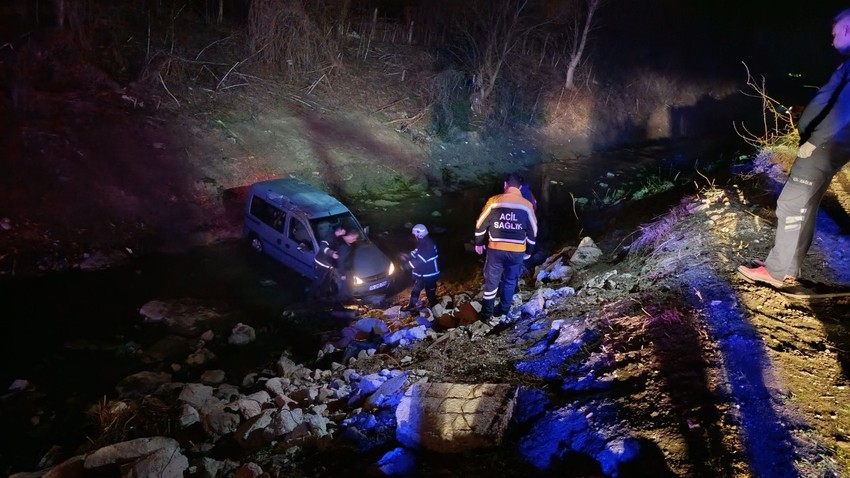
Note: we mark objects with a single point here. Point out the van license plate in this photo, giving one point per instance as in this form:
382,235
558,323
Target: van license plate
378,285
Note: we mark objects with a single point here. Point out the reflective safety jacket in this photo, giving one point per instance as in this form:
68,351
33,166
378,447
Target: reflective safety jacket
507,223
423,259
327,247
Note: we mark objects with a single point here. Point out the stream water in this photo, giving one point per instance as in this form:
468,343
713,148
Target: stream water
72,334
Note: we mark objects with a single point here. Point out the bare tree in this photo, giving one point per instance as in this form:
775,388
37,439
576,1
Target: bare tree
497,27
582,26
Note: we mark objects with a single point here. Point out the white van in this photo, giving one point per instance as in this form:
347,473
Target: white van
286,219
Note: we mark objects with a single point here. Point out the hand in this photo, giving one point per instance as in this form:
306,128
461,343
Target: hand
806,150
480,249
335,255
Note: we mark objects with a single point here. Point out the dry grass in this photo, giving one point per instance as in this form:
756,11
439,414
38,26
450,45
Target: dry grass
283,38
121,420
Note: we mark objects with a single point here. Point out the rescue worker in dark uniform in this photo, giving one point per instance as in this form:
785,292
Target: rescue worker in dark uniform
345,264
525,189
326,260
425,269
507,229
825,135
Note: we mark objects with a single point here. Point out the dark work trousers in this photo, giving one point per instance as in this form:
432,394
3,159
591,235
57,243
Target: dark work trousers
797,208
504,267
430,286
323,286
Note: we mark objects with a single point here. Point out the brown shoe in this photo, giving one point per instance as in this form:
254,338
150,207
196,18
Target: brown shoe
759,274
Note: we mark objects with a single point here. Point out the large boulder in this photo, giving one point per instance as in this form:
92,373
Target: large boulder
453,417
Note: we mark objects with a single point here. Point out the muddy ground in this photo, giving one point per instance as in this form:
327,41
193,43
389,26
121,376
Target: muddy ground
722,377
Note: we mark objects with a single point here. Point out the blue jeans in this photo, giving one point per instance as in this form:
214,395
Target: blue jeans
500,267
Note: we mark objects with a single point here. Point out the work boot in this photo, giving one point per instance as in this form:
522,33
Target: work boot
408,308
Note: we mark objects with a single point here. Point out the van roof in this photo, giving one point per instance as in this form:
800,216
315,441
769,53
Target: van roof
292,193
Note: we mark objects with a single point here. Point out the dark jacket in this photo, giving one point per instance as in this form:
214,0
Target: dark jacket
525,189
423,259
507,223
327,247
827,116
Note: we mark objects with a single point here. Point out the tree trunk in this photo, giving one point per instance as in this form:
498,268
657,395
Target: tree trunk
579,44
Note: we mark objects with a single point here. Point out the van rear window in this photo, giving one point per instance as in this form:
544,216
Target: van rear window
264,211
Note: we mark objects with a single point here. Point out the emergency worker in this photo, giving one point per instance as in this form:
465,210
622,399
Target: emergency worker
424,267
325,262
345,264
507,230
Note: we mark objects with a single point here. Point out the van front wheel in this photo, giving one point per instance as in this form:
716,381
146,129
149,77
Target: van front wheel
256,244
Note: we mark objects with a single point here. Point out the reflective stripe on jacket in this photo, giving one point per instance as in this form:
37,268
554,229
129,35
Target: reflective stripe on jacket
423,259
326,248
507,223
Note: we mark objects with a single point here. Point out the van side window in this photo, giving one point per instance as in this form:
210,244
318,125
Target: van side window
298,233
267,213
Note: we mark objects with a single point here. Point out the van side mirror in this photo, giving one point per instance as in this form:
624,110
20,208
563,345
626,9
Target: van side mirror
366,230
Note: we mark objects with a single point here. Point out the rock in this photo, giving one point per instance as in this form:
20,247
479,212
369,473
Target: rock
248,470
286,367
385,392
398,462
162,463
196,395
127,451
242,334
70,468
212,377
218,419
252,405
183,317
188,416
371,325
210,467
535,305
608,280
141,383
19,385
557,271
168,348
285,421
454,418
586,254
102,260
200,357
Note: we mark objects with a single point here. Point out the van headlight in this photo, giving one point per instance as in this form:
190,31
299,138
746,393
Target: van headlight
392,269
357,280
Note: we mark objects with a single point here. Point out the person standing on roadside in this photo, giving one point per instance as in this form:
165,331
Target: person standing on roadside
424,267
507,230
824,130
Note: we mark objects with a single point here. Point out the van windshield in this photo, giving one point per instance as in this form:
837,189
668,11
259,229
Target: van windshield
324,227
